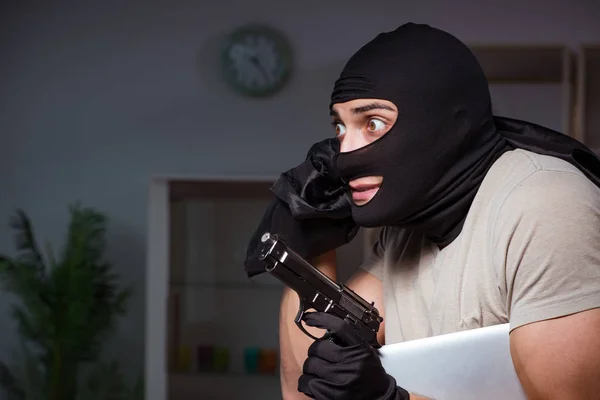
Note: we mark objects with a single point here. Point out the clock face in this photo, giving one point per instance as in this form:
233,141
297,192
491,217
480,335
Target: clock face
256,61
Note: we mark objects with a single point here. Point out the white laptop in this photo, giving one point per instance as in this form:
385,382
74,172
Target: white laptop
473,364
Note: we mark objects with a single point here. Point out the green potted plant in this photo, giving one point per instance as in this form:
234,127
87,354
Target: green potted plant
66,305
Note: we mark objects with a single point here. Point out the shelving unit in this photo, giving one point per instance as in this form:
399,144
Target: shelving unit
211,301
528,65
588,115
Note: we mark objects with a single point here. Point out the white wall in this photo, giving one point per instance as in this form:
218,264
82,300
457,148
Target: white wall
96,97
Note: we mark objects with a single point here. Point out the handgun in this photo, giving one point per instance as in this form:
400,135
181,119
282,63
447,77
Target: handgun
317,291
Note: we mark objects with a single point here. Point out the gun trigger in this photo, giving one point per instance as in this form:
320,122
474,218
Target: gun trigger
298,320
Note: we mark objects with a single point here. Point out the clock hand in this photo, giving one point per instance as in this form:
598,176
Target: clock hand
259,66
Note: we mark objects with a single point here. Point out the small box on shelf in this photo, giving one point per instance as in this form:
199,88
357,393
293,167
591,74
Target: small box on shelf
207,359
260,361
203,359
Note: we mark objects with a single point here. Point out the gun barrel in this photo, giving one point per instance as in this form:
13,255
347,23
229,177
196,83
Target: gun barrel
281,254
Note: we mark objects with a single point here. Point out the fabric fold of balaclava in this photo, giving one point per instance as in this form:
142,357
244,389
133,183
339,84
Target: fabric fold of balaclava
446,137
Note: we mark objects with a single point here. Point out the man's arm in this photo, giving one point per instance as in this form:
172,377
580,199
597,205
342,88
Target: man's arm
559,358
549,242
294,343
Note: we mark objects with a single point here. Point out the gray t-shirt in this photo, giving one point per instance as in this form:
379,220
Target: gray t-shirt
529,251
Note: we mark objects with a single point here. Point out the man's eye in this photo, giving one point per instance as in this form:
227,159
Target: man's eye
375,124
340,129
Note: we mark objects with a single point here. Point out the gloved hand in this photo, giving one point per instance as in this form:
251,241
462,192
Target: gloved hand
348,370
311,210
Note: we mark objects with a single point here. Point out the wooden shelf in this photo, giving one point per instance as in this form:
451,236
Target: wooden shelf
524,63
588,108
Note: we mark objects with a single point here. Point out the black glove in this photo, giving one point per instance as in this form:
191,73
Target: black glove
310,211
345,368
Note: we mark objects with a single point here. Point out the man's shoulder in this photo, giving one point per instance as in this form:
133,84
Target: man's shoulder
516,166
545,185
524,173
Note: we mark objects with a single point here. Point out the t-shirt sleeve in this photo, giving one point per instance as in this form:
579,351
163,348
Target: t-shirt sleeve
548,245
374,258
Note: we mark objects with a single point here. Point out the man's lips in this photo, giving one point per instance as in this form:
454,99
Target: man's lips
363,192
361,187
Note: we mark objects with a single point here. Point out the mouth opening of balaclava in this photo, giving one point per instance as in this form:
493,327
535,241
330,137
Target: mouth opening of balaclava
435,156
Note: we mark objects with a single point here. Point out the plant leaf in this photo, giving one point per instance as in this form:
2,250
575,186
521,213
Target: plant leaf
29,254
85,237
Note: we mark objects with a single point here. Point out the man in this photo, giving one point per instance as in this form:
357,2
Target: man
486,220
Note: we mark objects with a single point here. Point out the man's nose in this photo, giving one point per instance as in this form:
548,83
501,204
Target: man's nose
351,141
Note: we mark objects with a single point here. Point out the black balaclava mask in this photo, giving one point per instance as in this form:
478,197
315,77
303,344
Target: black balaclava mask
444,141
446,137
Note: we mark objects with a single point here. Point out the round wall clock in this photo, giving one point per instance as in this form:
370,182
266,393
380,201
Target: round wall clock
256,60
